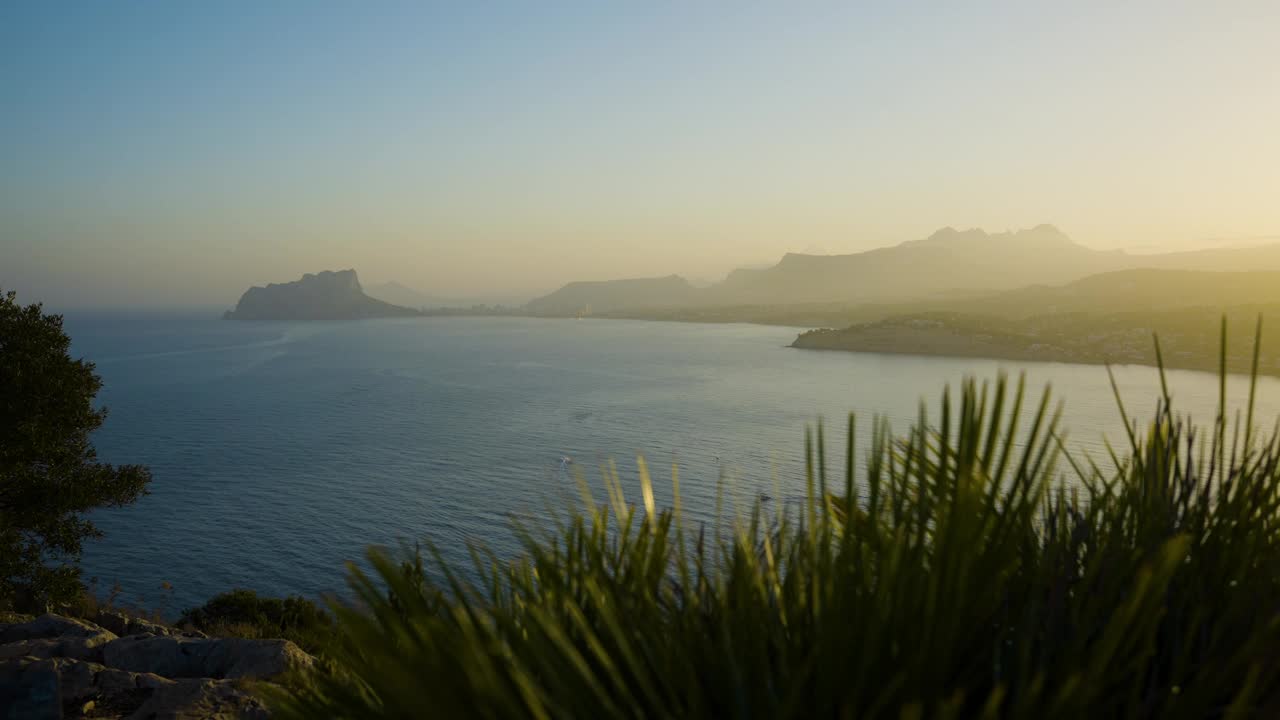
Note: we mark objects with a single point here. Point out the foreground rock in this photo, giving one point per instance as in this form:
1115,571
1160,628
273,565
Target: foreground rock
55,667
180,657
54,636
49,626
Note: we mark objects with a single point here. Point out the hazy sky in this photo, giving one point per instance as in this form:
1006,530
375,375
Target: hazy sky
174,153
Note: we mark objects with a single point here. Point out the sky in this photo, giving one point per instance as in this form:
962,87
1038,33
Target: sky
173,153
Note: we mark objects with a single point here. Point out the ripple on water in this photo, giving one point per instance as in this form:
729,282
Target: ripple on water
280,451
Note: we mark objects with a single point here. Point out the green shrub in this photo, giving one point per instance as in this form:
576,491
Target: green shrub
961,576
241,613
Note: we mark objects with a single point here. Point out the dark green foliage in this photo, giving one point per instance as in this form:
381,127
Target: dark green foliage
974,570
241,613
49,474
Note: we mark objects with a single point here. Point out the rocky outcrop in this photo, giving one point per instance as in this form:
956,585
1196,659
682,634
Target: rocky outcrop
51,636
69,688
204,698
321,296
48,627
180,657
29,690
122,625
55,667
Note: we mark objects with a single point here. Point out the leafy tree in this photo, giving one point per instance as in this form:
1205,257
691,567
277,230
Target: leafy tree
50,476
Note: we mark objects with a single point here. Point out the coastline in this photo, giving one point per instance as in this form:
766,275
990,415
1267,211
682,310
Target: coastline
1129,345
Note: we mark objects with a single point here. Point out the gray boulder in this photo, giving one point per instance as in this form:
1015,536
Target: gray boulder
45,689
54,665
182,657
54,636
76,648
201,699
28,692
48,626
81,681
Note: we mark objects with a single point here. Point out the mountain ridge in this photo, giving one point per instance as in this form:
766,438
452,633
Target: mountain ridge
586,296
947,262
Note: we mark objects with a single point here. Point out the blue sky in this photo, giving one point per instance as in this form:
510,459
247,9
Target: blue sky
172,153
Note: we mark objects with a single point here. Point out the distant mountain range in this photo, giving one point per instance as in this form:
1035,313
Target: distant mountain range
398,294
948,264
594,297
326,295
1035,271
1127,291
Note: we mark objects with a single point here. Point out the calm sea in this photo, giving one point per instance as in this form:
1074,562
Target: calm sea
282,450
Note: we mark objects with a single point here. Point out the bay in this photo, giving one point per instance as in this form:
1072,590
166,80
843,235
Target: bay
280,451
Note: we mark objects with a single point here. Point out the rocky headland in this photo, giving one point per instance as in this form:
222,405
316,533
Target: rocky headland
328,295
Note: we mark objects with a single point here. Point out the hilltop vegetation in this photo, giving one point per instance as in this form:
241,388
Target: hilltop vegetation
1100,319
1190,339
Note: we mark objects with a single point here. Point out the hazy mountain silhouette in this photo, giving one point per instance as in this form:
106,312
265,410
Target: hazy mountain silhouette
948,263
947,260
1235,259
397,294
326,295
1131,291
400,294
606,295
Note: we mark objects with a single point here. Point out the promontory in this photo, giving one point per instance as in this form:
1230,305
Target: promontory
328,295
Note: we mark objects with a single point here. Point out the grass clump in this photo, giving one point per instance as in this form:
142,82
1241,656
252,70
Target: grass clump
244,614
974,570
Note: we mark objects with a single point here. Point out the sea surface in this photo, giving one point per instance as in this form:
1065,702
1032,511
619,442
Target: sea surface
280,451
